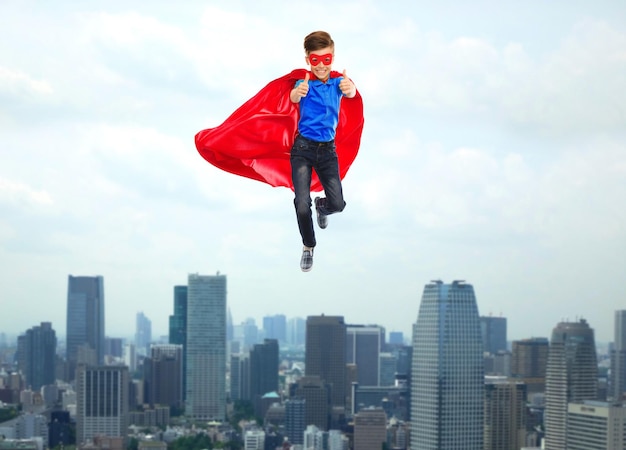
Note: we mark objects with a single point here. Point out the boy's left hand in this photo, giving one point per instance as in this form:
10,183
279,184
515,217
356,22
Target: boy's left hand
347,86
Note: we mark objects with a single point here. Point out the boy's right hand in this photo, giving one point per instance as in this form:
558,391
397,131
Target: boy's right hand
303,88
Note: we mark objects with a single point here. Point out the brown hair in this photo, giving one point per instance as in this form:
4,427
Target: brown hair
317,41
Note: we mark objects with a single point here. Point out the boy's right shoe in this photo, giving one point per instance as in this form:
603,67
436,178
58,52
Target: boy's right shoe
306,262
322,219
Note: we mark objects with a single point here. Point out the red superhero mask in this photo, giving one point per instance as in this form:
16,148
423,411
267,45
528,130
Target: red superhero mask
315,60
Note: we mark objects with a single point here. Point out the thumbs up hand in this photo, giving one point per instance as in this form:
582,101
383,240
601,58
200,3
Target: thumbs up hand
303,88
346,86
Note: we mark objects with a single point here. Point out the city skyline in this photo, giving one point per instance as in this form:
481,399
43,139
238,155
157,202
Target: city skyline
162,336
455,400
493,150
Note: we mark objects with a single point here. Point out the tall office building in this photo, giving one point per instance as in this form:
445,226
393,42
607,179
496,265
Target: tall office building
529,359
370,429
178,321
505,413
263,371
85,318
325,354
143,334
447,387
493,332
295,421
296,331
178,327
387,369
163,376
571,376
206,347
235,377
250,333
114,347
275,327
102,402
617,381
230,330
37,356
363,346
316,395
594,425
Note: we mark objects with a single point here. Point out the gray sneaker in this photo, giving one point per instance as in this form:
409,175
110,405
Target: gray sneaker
322,219
306,262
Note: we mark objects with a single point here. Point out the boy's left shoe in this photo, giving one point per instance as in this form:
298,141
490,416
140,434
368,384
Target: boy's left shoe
306,262
322,219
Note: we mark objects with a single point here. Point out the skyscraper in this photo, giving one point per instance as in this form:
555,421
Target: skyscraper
102,402
37,355
325,354
493,331
447,375
275,327
505,413
316,395
178,321
85,318
363,346
163,372
235,377
296,330
529,359
295,422
206,347
178,327
143,334
617,380
263,371
572,376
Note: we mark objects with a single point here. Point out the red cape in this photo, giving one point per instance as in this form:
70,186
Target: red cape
256,140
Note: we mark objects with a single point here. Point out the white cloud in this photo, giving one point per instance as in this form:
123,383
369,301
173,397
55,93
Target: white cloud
17,82
19,193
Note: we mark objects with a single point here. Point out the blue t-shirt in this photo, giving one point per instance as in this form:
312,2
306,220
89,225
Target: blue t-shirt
319,110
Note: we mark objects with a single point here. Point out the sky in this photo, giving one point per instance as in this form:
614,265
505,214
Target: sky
493,151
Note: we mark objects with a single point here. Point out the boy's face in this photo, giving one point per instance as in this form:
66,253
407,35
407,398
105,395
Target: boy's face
320,62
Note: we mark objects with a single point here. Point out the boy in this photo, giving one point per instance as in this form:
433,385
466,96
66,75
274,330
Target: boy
319,96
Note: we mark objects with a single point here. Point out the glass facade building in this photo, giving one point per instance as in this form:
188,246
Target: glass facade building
447,387
143,334
37,355
325,354
205,397
617,380
85,318
493,331
363,346
571,376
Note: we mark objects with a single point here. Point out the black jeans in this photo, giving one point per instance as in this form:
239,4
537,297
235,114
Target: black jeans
321,156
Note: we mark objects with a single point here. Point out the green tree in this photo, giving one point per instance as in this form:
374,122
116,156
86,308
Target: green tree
242,410
198,441
8,413
133,444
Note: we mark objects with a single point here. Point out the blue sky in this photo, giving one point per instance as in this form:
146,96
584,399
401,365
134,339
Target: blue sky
494,151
